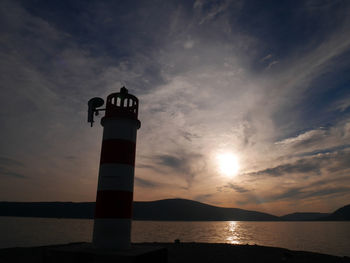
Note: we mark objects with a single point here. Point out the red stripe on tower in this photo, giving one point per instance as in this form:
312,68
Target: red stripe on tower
124,154
113,204
114,200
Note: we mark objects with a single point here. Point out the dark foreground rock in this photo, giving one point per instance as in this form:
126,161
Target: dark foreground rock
195,252
205,252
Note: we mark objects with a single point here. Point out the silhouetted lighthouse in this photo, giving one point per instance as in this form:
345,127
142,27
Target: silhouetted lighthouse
114,201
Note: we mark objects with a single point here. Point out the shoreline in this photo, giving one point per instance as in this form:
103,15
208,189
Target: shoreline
193,252
160,220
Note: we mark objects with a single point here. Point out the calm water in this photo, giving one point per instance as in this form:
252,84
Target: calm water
324,237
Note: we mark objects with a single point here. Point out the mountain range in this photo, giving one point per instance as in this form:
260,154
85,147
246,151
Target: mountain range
163,210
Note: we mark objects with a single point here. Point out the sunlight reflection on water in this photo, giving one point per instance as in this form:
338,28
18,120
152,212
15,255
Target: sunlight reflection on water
324,237
234,235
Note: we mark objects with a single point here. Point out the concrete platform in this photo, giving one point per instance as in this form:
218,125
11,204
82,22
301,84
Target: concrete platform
85,252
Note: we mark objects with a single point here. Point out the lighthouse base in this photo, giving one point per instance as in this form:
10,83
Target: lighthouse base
85,252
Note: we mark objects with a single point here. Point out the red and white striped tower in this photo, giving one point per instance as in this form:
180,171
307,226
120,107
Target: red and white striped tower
114,201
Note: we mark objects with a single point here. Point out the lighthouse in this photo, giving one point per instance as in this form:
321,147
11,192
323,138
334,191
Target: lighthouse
114,199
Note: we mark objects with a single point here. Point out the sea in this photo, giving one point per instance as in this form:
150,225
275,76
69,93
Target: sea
323,237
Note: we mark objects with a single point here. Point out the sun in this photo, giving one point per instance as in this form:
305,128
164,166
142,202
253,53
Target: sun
228,164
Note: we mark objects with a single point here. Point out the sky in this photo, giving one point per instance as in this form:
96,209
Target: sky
265,82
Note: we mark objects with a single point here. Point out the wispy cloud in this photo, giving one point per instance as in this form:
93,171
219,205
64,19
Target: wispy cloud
210,10
302,193
184,164
311,165
342,104
272,63
9,167
205,198
10,162
146,183
237,188
4,172
301,166
267,57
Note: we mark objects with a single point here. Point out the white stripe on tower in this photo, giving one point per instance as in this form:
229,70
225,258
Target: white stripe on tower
113,212
114,176
124,129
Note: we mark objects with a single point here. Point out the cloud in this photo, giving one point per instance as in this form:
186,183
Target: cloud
321,140
305,139
272,63
330,161
209,10
343,104
236,187
189,44
301,166
176,163
145,166
203,198
267,57
4,161
10,173
323,188
146,183
325,150
187,165
9,167
304,193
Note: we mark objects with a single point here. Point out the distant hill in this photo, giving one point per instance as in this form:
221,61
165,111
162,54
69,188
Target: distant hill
170,209
188,210
304,216
342,214
162,210
48,209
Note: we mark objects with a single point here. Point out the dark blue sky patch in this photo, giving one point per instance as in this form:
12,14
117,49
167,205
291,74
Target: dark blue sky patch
286,28
114,29
317,106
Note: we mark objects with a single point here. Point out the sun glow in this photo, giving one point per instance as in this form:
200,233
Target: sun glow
228,164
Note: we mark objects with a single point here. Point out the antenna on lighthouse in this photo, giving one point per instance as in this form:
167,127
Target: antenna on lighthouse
93,104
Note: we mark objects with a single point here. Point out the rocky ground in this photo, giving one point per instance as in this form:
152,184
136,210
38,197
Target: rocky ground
192,252
204,252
